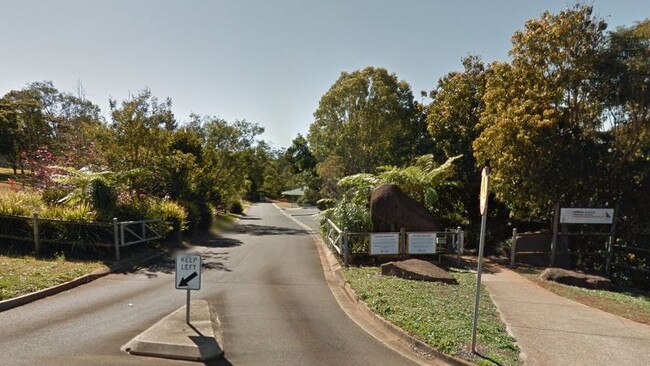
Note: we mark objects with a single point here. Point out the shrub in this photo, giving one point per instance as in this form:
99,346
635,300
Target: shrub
171,213
237,208
20,203
81,212
325,203
350,217
193,215
54,195
102,196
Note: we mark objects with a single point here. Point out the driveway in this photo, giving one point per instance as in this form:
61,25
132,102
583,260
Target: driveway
263,278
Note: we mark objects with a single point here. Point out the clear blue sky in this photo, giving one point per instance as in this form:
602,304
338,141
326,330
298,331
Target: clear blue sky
264,61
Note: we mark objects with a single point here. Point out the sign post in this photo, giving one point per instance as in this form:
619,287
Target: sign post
485,189
188,277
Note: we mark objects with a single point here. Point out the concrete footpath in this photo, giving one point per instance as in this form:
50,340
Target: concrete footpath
552,330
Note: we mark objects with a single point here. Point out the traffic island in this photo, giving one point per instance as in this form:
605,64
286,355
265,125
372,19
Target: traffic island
173,338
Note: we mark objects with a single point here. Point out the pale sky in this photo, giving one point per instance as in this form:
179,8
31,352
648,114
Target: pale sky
264,61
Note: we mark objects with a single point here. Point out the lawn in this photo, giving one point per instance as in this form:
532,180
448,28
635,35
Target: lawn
20,275
627,303
438,314
22,181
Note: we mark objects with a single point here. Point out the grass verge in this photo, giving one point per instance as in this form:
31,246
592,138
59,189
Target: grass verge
437,313
627,303
20,275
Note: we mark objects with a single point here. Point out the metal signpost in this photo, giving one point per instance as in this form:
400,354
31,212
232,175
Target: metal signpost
188,277
485,189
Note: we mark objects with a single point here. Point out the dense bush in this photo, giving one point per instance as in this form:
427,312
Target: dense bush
325,203
349,216
53,195
237,208
171,213
81,212
102,196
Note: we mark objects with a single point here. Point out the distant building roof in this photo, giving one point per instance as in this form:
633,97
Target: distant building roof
294,192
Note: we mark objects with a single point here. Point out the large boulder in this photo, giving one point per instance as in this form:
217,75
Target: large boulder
391,209
417,269
577,279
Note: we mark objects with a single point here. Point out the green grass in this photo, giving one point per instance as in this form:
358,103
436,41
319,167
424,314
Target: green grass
20,275
628,303
438,314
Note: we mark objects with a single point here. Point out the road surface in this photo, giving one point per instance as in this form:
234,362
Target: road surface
264,278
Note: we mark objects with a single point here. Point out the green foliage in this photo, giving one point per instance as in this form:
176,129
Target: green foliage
541,120
20,203
364,119
81,212
171,213
452,120
237,208
349,216
54,195
418,180
325,203
103,197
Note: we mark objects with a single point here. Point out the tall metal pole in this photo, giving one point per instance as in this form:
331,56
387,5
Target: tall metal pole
187,308
485,189
478,280
611,242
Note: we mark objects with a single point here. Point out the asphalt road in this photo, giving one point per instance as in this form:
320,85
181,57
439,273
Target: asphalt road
264,278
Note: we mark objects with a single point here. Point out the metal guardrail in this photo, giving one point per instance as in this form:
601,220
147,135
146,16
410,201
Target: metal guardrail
99,234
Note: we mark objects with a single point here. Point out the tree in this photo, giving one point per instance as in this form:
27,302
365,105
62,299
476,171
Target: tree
367,118
452,120
140,126
541,117
23,127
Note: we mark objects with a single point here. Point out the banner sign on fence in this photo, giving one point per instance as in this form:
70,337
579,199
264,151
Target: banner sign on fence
421,243
586,215
384,243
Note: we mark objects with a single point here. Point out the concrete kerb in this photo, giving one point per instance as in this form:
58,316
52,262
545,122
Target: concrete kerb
393,337
53,290
172,337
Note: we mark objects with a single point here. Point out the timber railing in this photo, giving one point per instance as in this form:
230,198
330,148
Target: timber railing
41,231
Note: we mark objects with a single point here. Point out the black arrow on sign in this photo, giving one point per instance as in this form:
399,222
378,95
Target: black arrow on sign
187,279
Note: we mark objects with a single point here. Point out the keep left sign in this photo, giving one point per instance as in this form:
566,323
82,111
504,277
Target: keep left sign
188,272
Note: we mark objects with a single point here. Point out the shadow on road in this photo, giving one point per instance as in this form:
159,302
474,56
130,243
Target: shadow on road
260,230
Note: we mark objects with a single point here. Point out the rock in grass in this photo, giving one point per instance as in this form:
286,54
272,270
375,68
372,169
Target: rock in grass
417,269
577,279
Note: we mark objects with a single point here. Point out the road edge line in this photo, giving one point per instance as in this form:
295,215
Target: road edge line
358,311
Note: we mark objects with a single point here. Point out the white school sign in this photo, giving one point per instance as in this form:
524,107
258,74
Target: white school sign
421,243
586,215
384,243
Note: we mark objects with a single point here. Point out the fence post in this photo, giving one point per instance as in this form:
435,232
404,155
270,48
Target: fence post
458,244
116,238
513,247
37,244
402,241
556,222
346,249
611,242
